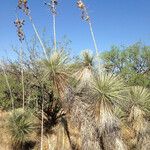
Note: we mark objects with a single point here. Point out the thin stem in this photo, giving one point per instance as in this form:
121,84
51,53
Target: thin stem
63,138
93,38
8,85
49,145
22,77
54,31
42,116
92,32
87,18
37,34
94,41
52,7
54,22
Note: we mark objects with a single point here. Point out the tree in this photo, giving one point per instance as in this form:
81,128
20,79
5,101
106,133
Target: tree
132,63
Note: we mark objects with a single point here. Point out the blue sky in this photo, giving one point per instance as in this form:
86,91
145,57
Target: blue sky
115,22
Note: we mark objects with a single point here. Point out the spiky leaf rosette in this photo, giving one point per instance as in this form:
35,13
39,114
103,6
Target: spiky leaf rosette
20,126
56,69
140,96
139,100
107,91
84,69
87,58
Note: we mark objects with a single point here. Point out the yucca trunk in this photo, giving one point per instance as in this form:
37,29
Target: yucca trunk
89,134
105,118
108,126
140,127
84,77
82,118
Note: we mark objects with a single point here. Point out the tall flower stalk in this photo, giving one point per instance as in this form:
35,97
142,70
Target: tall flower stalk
23,6
42,124
38,36
19,24
85,16
52,6
22,78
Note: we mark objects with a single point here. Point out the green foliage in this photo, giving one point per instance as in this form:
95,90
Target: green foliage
20,125
140,97
101,98
107,92
132,63
5,98
88,59
109,86
56,69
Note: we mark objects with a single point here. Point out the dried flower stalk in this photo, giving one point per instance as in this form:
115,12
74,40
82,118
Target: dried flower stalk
22,4
19,24
86,17
52,6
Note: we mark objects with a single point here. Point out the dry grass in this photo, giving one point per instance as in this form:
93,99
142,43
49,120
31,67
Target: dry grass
69,136
62,138
5,140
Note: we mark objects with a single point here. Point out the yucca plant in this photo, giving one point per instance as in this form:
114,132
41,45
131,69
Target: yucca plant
82,72
20,126
93,109
107,92
56,70
83,69
139,99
